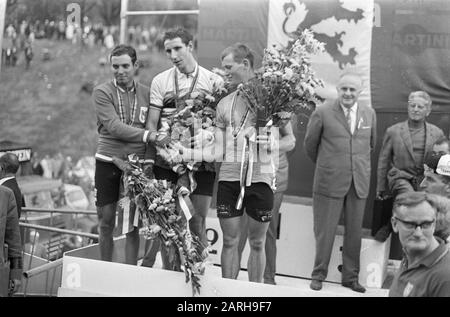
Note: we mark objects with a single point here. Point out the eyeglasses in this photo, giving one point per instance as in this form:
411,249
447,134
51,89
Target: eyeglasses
410,225
418,105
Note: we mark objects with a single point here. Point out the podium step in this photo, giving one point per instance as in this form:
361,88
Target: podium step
296,248
70,292
86,276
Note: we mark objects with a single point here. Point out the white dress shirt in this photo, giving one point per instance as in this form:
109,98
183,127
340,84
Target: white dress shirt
353,110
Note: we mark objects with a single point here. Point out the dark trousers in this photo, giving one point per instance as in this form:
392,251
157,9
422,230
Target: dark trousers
327,212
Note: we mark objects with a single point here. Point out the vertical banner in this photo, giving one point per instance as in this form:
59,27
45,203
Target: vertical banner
345,26
410,51
223,23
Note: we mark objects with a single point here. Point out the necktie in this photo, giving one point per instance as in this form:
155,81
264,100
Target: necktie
349,119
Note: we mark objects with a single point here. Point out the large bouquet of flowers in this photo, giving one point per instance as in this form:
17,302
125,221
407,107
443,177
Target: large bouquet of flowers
194,115
155,202
283,86
286,83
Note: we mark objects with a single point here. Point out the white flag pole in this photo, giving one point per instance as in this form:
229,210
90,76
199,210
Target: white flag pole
2,27
123,21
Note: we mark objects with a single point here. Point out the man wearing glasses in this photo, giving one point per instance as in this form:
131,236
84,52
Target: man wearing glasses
425,268
405,146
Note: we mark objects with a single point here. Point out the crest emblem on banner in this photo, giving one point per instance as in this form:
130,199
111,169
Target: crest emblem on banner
316,12
143,114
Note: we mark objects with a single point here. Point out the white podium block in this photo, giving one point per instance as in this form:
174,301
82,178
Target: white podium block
215,238
296,244
84,276
373,261
296,248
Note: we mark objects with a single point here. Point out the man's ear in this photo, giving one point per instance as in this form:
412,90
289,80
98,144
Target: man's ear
446,188
394,225
360,90
190,46
246,62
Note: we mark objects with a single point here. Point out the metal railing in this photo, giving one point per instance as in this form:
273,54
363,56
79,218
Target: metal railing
60,211
43,268
65,231
161,12
53,247
52,212
124,14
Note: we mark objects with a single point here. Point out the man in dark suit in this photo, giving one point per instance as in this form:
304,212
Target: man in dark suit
10,256
339,139
9,165
405,146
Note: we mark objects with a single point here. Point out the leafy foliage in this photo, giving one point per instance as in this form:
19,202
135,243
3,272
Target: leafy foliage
286,82
155,201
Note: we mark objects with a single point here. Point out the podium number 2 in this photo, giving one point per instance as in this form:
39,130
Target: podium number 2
73,279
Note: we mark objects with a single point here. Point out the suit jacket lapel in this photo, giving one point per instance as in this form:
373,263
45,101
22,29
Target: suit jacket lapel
340,116
359,120
428,138
406,137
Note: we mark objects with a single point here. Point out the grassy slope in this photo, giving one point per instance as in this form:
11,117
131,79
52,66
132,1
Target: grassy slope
43,106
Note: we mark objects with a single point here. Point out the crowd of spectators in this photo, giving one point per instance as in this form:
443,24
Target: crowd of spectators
19,37
63,168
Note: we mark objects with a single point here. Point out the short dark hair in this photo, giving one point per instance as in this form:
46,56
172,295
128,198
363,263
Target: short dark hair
411,199
240,52
180,32
123,49
432,161
442,140
9,162
442,205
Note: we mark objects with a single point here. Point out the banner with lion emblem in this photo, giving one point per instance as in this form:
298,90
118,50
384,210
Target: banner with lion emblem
396,46
345,26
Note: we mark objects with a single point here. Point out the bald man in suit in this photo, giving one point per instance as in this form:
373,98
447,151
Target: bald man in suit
339,139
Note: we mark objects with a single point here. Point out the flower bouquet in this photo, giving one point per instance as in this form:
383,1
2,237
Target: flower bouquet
194,116
155,202
285,84
282,87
